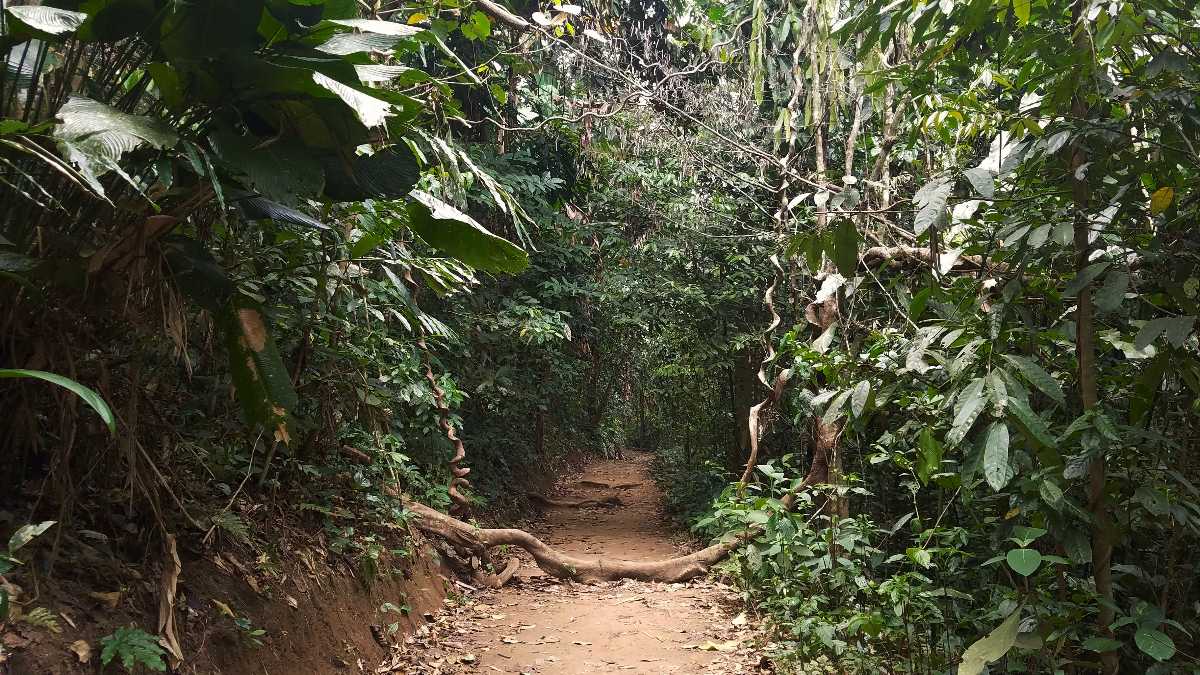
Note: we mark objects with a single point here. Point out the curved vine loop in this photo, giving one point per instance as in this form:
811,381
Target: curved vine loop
776,387
458,478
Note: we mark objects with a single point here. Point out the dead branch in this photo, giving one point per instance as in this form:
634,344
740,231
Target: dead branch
609,486
480,540
608,502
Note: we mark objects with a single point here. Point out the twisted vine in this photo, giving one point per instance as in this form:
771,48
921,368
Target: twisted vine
458,478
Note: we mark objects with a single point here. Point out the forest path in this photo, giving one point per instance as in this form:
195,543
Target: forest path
539,624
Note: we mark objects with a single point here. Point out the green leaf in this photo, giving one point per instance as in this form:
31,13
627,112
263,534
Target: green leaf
1154,643
1177,329
88,395
931,455
1109,296
458,235
1051,493
48,19
970,402
845,248
1029,422
389,173
996,468
371,111
1037,377
992,647
860,397
931,204
1024,561
1021,10
835,409
478,27
983,180
94,136
279,169
263,383
26,534
1085,277
1101,644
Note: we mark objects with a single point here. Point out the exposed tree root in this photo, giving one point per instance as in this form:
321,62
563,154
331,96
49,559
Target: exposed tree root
608,502
479,541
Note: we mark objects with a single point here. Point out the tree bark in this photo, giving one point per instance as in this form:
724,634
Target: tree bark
1085,347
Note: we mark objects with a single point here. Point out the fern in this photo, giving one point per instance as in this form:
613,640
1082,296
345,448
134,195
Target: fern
41,618
135,647
233,525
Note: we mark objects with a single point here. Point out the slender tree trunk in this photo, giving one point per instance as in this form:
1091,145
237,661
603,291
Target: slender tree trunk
1085,347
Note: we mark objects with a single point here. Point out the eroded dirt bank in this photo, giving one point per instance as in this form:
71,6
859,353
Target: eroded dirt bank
543,625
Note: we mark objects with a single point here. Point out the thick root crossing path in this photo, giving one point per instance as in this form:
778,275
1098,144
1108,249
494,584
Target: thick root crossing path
642,607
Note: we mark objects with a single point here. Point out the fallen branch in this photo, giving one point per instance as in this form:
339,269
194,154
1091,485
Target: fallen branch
608,502
609,486
479,541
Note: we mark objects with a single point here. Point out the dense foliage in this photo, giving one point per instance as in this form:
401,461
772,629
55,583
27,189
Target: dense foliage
927,266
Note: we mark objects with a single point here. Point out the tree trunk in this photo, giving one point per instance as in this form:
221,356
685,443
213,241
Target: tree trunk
1085,348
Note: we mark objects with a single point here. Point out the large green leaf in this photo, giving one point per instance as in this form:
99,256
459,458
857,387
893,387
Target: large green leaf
1024,561
1154,643
279,168
1038,377
88,395
371,111
845,247
931,455
197,31
459,236
390,173
996,467
94,136
931,204
970,402
1176,328
263,384
992,647
48,19
1112,292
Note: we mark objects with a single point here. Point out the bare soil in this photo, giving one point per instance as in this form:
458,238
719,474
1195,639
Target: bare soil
543,625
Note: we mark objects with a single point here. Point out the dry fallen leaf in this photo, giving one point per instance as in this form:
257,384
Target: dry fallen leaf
111,599
739,620
224,608
727,646
293,603
82,650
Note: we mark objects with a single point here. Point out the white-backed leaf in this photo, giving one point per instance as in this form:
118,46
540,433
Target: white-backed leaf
996,468
860,397
370,111
983,180
94,136
49,19
970,402
931,202
379,27
26,534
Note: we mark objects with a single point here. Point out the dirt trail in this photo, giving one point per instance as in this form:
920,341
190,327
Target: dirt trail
546,626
